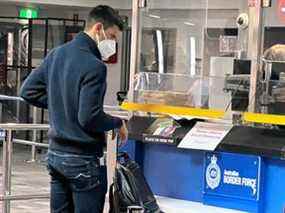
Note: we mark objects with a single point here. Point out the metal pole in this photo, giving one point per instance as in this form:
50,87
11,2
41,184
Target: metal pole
1,111
33,157
5,173
26,197
30,143
125,60
134,47
254,51
18,73
30,62
7,169
23,127
9,157
111,158
45,54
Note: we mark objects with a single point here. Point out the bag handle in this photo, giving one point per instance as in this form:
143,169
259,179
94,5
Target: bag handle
123,155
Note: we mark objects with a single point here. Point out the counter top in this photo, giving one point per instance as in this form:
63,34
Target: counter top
241,139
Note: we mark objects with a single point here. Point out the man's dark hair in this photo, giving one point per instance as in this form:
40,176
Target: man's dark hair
106,15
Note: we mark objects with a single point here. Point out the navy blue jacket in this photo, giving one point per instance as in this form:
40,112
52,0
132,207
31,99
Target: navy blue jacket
71,84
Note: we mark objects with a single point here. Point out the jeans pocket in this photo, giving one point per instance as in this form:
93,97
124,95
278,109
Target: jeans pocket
82,174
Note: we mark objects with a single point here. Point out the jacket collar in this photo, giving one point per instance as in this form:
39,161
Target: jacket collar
88,44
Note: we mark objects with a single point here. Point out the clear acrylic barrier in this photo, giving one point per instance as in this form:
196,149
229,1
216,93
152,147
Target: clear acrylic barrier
186,91
184,36
193,54
226,94
177,56
171,37
272,98
271,101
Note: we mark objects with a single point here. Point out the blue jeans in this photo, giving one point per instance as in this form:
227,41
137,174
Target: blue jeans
78,183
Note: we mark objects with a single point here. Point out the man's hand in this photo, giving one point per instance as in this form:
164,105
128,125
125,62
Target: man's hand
123,135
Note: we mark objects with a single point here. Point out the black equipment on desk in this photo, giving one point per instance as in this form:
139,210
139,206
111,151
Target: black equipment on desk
277,89
121,96
240,98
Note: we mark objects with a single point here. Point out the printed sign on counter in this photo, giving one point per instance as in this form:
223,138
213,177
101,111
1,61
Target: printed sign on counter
157,139
232,175
205,136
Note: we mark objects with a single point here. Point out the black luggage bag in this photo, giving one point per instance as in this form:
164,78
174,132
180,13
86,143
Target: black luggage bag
130,188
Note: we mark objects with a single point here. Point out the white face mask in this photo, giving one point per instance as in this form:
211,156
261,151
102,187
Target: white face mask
107,47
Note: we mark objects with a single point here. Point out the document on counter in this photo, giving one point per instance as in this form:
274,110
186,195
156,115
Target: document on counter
205,136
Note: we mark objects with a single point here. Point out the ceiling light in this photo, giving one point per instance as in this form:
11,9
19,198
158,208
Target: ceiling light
189,23
153,16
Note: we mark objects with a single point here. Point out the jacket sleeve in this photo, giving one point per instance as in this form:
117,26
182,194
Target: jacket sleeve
34,88
91,116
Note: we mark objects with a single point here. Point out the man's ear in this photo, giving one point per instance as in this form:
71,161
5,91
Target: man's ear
97,27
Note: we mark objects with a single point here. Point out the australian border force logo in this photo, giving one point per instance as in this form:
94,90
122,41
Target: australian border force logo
213,173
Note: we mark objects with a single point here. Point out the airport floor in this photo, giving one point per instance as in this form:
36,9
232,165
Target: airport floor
28,178
32,178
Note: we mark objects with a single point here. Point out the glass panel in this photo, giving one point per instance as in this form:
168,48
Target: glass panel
38,42
225,56
55,33
193,54
13,62
189,91
13,35
271,86
61,31
171,37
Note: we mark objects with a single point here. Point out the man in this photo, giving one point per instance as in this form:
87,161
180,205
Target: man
71,84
